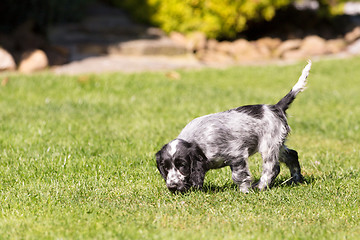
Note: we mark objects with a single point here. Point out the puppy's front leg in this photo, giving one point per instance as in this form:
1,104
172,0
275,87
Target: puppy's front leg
241,174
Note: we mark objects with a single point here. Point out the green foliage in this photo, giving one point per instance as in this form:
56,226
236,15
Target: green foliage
77,156
217,19
331,8
221,19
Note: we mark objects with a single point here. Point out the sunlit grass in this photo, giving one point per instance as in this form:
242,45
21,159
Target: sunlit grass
77,156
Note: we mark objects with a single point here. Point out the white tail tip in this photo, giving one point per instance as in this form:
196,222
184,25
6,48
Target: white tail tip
300,85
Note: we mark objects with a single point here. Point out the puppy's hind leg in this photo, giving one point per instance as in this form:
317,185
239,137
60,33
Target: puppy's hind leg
271,168
290,158
241,174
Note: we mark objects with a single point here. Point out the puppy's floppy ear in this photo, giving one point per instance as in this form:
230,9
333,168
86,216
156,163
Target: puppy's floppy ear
198,166
159,164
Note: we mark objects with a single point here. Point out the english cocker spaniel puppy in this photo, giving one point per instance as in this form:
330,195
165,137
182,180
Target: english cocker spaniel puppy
228,139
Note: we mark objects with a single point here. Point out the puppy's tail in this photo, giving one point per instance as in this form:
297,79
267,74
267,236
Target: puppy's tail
285,102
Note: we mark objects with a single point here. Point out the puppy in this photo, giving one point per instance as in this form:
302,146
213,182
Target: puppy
228,139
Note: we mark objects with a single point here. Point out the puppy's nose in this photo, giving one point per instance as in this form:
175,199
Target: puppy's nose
172,187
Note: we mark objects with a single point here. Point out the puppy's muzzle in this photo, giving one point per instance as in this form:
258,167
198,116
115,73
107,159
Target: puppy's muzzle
176,187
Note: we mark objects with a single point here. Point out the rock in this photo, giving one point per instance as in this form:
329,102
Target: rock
193,42
313,45
57,55
32,61
270,43
224,47
267,46
212,57
153,32
296,54
335,46
178,38
123,63
196,41
212,44
164,46
353,35
263,50
354,48
6,61
287,45
243,50
90,49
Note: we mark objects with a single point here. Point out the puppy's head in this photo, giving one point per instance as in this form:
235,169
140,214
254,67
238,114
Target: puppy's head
182,165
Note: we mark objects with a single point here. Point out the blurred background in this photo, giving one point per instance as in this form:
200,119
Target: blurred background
58,32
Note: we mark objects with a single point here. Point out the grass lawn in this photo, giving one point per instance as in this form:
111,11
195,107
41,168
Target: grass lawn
77,156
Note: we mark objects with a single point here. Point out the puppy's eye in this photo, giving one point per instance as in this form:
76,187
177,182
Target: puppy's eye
184,171
183,168
179,164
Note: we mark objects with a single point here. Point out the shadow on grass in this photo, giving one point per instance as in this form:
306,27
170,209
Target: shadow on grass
213,188
281,182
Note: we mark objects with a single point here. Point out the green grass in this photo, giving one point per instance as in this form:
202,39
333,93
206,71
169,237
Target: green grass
77,156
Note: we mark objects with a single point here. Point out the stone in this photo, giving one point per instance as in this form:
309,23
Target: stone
295,54
354,48
32,61
212,44
91,49
240,50
196,41
193,42
6,61
124,63
164,46
313,45
212,57
287,45
334,46
267,46
263,50
243,50
57,55
353,35
153,32
178,38
224,47
270,43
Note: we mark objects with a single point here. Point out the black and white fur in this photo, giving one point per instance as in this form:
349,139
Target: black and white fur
228,139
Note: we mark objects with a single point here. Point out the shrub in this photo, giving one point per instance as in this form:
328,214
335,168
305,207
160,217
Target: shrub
333,7
217,19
